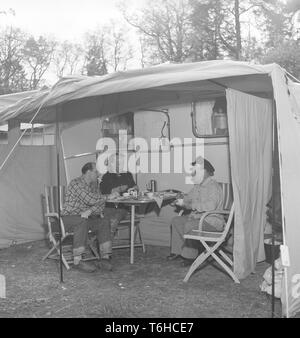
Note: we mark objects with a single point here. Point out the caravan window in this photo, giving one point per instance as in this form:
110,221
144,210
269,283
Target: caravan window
4,133
210,118
111,127
37,134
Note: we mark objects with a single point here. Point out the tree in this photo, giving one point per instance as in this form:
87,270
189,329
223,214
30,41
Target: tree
207,18
12,73
96,62
68,58
222,25
120,51
107,49
275,20
37,55
166,29
287,55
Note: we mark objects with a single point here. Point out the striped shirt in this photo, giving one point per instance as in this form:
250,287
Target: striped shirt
81,197
206,196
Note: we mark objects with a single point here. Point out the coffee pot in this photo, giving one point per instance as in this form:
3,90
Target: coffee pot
152,186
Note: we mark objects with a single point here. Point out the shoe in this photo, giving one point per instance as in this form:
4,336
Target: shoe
187,262
104,264
172,257
85,267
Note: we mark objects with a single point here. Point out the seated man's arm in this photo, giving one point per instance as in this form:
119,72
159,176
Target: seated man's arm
98,208
87,196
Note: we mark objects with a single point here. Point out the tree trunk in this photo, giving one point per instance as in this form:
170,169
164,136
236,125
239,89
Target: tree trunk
238,29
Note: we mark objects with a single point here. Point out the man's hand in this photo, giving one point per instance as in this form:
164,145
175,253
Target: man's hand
86,214
113,195
179,202
116,190
123,188
120,189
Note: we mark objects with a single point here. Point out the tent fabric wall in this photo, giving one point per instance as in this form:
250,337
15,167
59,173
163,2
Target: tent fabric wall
289,157
75,140
250,134
21,184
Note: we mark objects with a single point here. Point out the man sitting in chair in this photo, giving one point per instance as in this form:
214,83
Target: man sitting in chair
206,195
83,211
116,181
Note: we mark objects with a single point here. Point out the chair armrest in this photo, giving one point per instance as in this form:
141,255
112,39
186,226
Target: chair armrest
52,214
181,212
213,212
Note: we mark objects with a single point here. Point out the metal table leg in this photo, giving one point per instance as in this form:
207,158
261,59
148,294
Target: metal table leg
132,234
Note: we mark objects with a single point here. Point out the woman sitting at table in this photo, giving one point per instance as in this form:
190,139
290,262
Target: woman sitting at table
115,180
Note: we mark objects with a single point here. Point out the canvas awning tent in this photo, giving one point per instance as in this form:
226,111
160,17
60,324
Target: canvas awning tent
11,99
79,98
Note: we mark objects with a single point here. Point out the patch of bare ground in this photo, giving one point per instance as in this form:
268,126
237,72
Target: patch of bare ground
151,288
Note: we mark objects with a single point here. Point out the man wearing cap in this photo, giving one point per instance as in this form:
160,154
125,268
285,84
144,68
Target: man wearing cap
206,195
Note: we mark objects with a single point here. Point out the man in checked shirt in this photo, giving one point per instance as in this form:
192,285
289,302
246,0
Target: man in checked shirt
83,211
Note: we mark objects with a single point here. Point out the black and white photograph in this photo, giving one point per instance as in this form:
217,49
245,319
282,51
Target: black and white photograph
150,161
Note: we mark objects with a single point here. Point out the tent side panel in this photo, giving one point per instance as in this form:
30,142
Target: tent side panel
22,183
289,157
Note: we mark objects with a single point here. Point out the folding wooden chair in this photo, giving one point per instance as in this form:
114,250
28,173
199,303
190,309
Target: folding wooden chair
213,241
53,230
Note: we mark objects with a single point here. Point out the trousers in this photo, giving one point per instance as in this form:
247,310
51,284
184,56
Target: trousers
81,227
187,248
115,215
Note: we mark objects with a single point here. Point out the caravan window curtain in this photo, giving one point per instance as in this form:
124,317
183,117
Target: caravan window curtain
250,141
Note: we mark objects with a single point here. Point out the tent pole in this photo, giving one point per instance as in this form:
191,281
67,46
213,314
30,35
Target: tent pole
273,205
58,191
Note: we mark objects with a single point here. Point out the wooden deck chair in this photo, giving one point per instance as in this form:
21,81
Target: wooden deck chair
53,231
213,241
123,243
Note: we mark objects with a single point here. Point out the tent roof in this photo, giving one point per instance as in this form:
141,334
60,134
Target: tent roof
8,100
150,87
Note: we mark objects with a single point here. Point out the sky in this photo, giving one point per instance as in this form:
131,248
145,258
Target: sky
63,19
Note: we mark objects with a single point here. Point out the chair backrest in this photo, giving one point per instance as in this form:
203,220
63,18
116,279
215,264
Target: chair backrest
227,195
227,205
51,198
229,221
